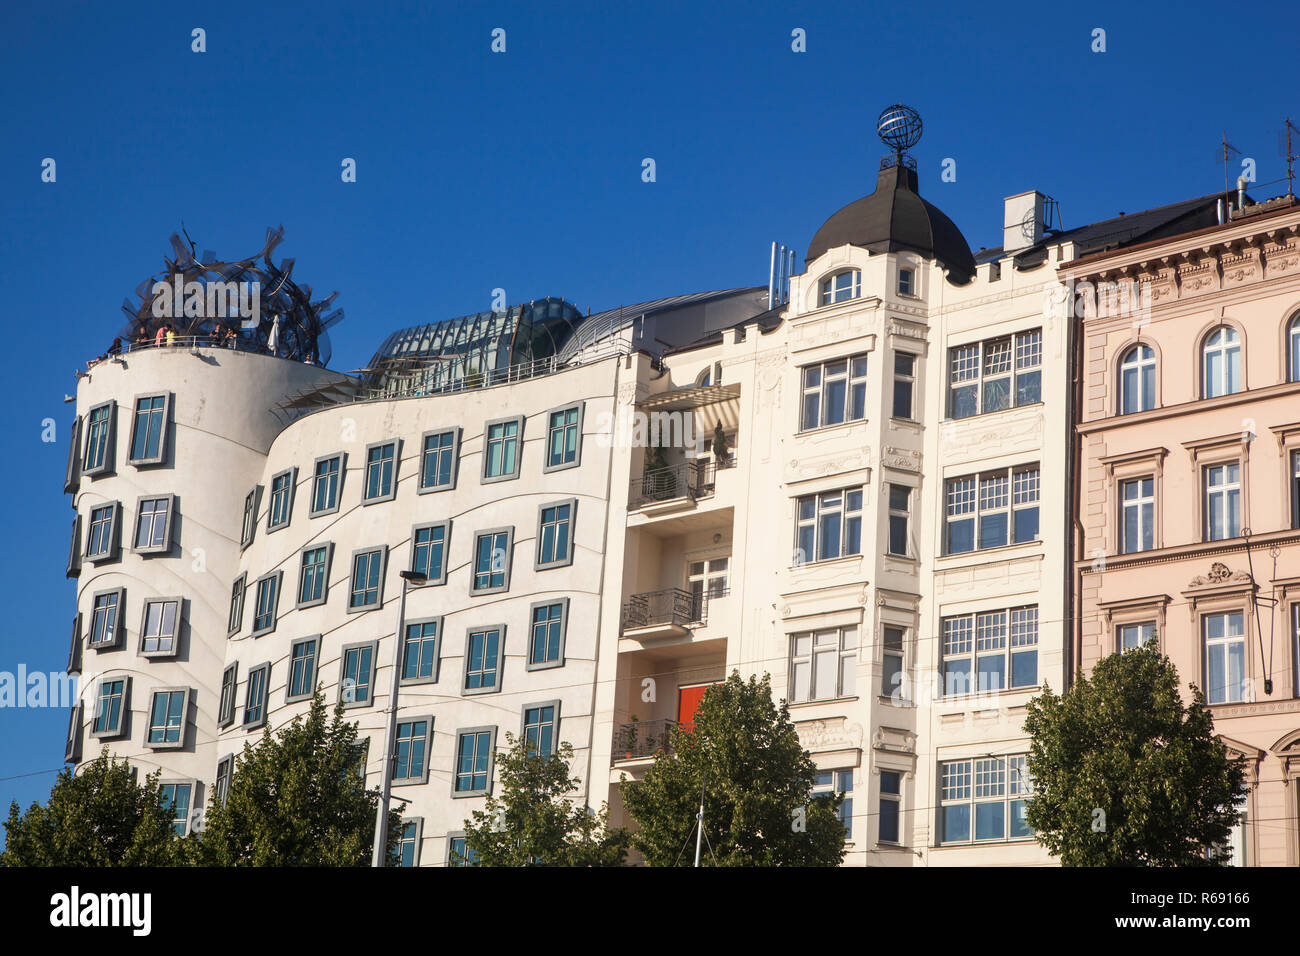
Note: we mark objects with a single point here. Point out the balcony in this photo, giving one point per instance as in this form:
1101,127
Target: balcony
680,485
643,738
663,613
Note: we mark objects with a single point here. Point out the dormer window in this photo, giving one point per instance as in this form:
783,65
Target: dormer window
906,282
842,287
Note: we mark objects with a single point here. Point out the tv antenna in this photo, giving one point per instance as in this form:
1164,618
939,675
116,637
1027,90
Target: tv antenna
1286,149
1225,157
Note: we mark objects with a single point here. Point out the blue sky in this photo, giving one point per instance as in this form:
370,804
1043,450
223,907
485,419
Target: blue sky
522,170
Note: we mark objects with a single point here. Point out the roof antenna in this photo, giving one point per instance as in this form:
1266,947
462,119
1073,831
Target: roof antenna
1288,153
1227,150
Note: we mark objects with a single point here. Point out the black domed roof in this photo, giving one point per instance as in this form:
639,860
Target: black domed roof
895,218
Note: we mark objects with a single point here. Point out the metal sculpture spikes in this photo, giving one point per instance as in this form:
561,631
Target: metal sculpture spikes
284,320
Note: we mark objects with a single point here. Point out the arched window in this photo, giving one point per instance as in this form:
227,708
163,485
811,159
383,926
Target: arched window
1293,348
1221,363
841,287
1137,380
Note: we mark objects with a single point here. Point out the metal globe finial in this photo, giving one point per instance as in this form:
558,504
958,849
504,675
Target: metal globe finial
899,127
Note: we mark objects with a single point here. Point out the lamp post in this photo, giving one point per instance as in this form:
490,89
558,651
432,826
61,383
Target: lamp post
379,855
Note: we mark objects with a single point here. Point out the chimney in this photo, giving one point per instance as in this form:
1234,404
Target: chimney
1022,220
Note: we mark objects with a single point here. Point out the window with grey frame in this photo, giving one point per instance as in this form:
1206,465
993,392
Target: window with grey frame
563,437
381,472
250,519
541,728
74,549
167,717
555,534
74,652
833,392
411,750
255,691
501,449
112,703
483,660
429,551
280,510
149,430
105,618
175,800
492,552
326,483
438,460
459,853
153,525
408,843
98,456
546,638
71,472
302,669
226,703
266,603
225,776
357,675
420,651
160,627
101,532
995,374
236,619
72,746
313,575
367,579
474,752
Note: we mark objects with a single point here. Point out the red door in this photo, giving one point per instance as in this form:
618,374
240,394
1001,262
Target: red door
688,702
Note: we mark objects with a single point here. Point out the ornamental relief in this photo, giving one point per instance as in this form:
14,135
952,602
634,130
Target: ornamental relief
1220,573
829,734
1012,434
904,459
822,466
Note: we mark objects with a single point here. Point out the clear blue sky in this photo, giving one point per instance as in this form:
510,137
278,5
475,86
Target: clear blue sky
523,170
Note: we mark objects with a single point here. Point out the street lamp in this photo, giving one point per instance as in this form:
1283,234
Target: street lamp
379,855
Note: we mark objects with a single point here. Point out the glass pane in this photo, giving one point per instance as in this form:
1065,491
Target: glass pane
990,821
956,823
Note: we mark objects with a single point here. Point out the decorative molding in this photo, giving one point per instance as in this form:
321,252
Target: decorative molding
829,733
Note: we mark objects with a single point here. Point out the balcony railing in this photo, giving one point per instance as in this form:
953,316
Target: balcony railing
668,606
643,738
691,480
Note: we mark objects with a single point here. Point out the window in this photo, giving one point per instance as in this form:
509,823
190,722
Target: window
236,619
905,282
474,755
357,674
381,473
483,660
101,533
1234,851
110,705
841,287
1225,657
990,793
1222,501
492,560
359,753
1133,636
420,651
546,641
829,526
823,664
302,669
149,430
1004,502
892,679
555,534
458,854
282,486
540,723
1295,489
501,449
153,525
999,647
326,483
563,438
1295,648
225,775
997,374
255,696
411,753
890,806
74,549
71,476
72,747
438,460
74,651
250,519
226,707
1293,350
313,575
160,629
105,618
707,580
429,551
1137,380
828,782
1221,363
167,718
175,799
904,384
367,579
899,509
1138,504
98,457
834,392
267,603
408,842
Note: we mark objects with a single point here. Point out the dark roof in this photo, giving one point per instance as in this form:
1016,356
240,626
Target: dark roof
895,218
766,322
601,324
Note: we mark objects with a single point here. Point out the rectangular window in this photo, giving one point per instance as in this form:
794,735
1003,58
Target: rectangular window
357,674
1295,484
326,481
167,717
483,659
1133,636
996,374
823,664
458,853
501,449
313,575
381,472
255,696
153,525
110,705
410,757
1222,501
905,282
438,460
429,551
367,579
892,679
546,643
473,761
105,623
540,728
827,782
175,799
408,843
74,651
101,533
302,669
904,384
899,510
250,519
707,580
71,472
98,457
890,805
236,618
834,392
555,534
992,509
828,525
420,651
1225,657
74,549
282,485
1138,502
984,800
267,603
225,775
563,438
149,430
492,560
226,707
160,628
72,747
990,651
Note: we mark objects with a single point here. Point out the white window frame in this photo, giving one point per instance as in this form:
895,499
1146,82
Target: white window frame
840,642
1145,506
1223,342
1140,359
1217,498
815,384
976,364
1223,645
823,506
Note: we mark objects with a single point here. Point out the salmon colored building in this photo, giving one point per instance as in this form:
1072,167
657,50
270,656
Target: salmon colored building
1187,484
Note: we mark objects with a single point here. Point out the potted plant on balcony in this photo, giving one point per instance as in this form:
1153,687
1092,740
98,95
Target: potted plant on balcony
629,738
658,481
720,452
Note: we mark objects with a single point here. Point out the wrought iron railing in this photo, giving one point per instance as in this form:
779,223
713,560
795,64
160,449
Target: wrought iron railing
643,738
667,606
693,479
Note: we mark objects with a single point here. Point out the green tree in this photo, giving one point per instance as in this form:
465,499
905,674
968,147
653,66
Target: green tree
99,817
1124,774
533,824
297,799
745,757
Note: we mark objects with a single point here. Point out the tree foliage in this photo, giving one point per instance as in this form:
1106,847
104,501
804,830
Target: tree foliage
1124,774
533,823
745,756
